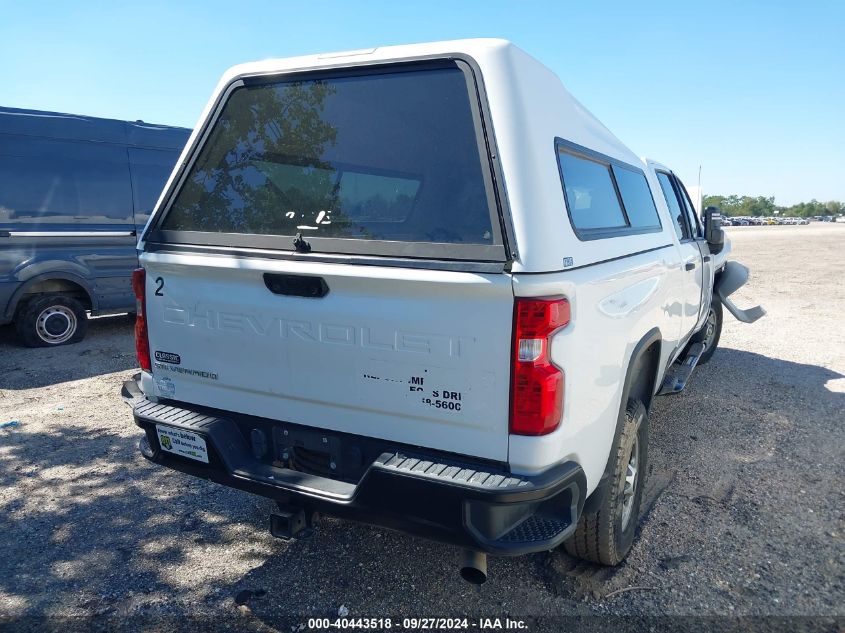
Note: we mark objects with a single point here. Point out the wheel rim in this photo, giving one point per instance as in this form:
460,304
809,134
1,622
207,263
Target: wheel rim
629,487
710,329
55,324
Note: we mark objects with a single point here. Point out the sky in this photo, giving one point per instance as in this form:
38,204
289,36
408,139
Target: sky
752,92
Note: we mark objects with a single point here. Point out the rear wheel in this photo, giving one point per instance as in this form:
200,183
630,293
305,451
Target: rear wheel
711,332
605,536
51,320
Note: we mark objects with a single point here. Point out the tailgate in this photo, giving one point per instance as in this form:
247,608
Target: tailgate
420,357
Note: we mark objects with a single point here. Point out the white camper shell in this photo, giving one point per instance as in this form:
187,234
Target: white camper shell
523,105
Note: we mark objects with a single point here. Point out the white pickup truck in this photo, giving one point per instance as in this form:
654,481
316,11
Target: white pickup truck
421,287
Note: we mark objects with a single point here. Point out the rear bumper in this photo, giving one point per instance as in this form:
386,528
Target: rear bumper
442,497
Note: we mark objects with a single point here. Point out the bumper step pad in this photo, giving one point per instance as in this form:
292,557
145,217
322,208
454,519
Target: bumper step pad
535,529
452,472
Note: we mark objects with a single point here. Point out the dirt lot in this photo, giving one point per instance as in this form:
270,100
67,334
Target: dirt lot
746,495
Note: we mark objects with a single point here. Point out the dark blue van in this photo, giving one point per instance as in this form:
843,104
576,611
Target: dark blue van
74,191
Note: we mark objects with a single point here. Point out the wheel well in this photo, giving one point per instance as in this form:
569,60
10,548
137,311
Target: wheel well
644,374
640,378
57,286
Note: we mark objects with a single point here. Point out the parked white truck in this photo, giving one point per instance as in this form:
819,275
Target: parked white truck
421,287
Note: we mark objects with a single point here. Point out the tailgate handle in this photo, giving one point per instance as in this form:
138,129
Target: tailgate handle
296,285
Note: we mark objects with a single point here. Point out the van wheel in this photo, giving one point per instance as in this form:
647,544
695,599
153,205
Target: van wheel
605,536
711,332
50,320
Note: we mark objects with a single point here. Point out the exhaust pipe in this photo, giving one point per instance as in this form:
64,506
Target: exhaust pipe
474,566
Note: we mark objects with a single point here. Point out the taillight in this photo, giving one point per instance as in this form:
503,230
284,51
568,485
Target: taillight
142,341
536,384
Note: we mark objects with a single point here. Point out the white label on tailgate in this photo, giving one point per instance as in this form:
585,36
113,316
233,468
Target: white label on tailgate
427,387
166,388
182,443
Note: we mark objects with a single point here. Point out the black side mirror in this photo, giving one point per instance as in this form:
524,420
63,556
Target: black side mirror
713,232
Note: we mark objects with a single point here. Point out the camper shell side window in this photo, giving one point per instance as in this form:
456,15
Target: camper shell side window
605,197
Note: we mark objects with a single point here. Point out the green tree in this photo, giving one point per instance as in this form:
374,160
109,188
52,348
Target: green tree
807,209
835,207
758,206
734,205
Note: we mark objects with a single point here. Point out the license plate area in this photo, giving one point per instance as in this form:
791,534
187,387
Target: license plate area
180,442
317,453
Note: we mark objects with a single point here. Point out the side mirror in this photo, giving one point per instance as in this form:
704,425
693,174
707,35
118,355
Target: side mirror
713,232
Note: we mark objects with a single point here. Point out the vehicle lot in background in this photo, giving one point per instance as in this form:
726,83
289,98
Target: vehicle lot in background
757,221
748,521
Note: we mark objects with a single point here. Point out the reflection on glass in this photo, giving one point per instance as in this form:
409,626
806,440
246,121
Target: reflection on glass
590,194
388,156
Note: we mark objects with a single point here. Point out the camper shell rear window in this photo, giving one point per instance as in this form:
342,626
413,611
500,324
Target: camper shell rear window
380,161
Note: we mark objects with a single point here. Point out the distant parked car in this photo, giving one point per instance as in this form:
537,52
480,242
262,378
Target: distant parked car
74,190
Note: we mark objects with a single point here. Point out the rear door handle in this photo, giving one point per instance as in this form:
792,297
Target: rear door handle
296,285
689,266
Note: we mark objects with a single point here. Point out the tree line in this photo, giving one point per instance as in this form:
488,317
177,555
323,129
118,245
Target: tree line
763,206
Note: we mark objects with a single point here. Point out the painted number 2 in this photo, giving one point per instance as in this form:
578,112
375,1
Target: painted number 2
160,286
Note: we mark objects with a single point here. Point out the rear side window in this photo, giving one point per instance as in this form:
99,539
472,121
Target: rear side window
636,196
675,209
692,216
49,182
380,163
604,197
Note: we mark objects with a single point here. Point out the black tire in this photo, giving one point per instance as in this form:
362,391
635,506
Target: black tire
710,338
606,535
51,320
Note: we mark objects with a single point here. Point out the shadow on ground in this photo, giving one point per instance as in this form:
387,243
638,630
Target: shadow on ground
92,530
108,347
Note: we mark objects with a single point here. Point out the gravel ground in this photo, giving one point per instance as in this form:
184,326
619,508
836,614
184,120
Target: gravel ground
745,510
